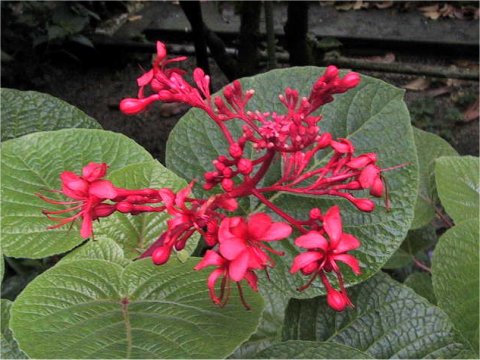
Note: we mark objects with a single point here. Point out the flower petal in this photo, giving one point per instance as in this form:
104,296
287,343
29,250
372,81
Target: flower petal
211,258
86,228
102,189
212,279
258,225
94,171
239,266
312,240
232,248
252,280
368,176
305,259
332,224
350,260
347,242
277,231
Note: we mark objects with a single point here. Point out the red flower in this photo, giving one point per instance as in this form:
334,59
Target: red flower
241,242
89,191
323,254
224,270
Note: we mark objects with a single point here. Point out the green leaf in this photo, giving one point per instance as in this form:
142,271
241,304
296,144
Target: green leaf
270,328
97,309
458,186
25,112
106,249
421,283
136,233
373,116
455,277
297,349
429,148
416,241
32,164
399,259
389,321
8,345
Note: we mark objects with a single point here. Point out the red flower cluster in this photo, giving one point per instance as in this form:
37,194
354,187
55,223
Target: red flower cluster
238,247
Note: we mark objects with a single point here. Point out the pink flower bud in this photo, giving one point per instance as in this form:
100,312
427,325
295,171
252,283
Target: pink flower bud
161,255
227,184
336,300
315,214
235,150
324,140
103,210
245,166
351,80
364,204
227,172
124,207
210,175
132,106
331,72
310,268
208,186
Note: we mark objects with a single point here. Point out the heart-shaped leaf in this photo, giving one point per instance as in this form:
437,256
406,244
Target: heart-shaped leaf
98,309
25,112
136,233
270,328
32,164
8,345
373,116
458,186
455,277
429,148
421,283
389,321
298,349
106,249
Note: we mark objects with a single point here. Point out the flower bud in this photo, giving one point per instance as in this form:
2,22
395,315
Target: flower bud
351,80
124,207
336,300
310,268
331,72
103,210
315,213
132,106
324,140
227,184
227,172
364,204
235,150
245,166
161,255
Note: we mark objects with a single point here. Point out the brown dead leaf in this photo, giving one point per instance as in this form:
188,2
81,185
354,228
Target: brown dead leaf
455,83
344,6
438,91
388,58
419,84
359,4
472,112
135,18
447,10
431,11
384,5
465,63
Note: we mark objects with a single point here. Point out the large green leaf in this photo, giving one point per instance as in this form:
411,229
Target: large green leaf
458,186
8,345
270,328
297,349
429,148
106,249
421,283
417,240
373,116
389,321
25,112
32,164
97,309
136,233
455,277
